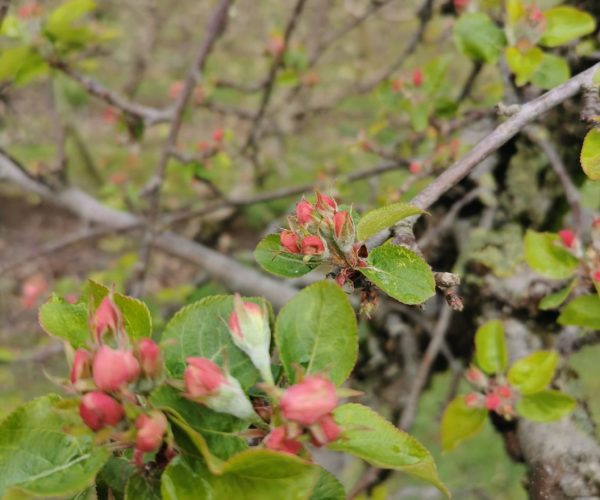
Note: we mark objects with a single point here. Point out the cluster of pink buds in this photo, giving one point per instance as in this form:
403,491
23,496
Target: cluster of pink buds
590,256
494,394
306,409
108,377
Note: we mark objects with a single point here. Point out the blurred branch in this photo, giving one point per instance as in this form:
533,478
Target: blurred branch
4,4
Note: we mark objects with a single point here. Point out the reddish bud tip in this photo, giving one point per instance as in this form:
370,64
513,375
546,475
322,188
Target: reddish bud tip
504,391
304,212
596,276
397,84
151,429
309,401
82,365
324,202
218,135
414,167
461,4
176,89
476,377
106,317
325,431
31,290
112,368
277,440
339,219
492,401
98,410
472,400
289,241
567,237
234,322
417,77
202,377
312,245
149,355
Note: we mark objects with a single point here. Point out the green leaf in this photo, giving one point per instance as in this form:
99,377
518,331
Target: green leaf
318,329
20,64
582,311
380,218
523,64
372,438
534,372
39,459
260,474
328,487
490,347
545,406
460,422
590,154
400,273
564,24
274,260
64,15
478,37
555,299
200,329
116,474
143,487
546,256
66,321
552,72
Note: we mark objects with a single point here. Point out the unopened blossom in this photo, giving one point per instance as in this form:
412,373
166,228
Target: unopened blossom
99,410
309,401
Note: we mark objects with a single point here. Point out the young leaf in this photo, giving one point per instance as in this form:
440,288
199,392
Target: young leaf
534,372
590,154
555,299
460,422
39,459
546,256
582,311
376,220
523,64
317,329
490,347
146,487
372,438
564,24
552,72
400,273
66,321
272,259
478,37
545,406
200,329
328,487
64,15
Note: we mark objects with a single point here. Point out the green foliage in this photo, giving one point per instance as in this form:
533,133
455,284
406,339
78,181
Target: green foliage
533,372
144,487
555,299
478,37
546,256
524,64
376,220
20,64
583,311
328,488
490,347
272,259
370,437
545,406
460,422
318,330
590,154
400,273
38,458
565,24
552,71
66,321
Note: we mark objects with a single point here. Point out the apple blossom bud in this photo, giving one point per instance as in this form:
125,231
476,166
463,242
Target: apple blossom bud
112,368
309,401
476,377
149,356
289,241
417,77
106,317
312,245
397,84
596,276
278,441
218,135
82,365
414,167
325,431
343,228
492,401
473,400
176,89
98,410
202,377
325,203
504,391
567,237
461,4
151,429
250,331
304,212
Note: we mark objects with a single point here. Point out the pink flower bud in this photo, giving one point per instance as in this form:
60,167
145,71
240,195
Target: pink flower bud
114,368
82,365
417,77
218,135
596,276
98,410
567,237
202,377
309,401
325,431
461,4
151,429
304,212
339,219
324,202
289,241
492,401
176,89
278,441
414,167
312,245
31,290
343,228
149,355
473,400
106,317
504,391
536,15
476,377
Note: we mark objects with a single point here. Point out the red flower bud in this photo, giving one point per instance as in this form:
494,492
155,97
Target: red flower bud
339,219
461,4
324,202
414,167
596,276
278,441
567,237
149,355
504,391
417,77
98,410
492,401
596,223
289,241
304,212
106,317
397,85
176,89
312,245
309,401
218,135
325,431
202,377
473,400
114,368
31,290
82,365
476,377
151,429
